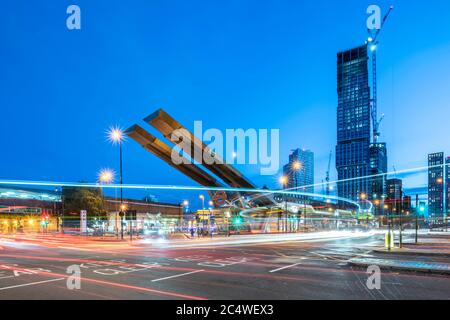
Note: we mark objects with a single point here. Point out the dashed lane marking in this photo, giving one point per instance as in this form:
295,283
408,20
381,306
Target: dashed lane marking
283,268
177,275
31,284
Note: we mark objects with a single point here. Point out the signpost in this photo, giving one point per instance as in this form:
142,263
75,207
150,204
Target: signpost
83,221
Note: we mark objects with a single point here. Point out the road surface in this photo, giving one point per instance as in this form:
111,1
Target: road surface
309,267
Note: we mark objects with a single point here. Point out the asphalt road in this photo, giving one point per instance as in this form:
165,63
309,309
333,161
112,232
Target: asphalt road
301,269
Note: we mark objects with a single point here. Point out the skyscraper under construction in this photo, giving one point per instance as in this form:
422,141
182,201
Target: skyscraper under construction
353,123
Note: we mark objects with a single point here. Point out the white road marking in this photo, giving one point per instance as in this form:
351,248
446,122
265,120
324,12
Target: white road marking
287,267
7,277
75,248
178,275
31,284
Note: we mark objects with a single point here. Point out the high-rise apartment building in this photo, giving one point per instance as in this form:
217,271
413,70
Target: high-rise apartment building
436,185
353,123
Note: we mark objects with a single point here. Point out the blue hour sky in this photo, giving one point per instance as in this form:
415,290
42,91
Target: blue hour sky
232,64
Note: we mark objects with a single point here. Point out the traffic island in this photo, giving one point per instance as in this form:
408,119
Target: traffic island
403,265
415,252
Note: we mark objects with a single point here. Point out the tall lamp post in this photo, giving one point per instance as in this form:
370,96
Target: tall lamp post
283,182
105,176
184,209
302,167
296,167
202,198
116,136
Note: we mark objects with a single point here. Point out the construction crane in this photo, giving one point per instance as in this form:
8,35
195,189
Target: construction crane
327,178
372,43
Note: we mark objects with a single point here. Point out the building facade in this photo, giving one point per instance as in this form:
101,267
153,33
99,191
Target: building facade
436,185
353,123
394,195
147,216
378,169
303,174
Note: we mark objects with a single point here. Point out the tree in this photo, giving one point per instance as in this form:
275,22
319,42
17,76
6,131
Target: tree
80,198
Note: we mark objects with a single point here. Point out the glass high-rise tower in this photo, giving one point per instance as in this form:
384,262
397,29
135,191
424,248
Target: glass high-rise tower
353,124
302,176
436,185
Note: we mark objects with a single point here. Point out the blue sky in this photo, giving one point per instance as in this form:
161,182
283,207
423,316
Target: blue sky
231,64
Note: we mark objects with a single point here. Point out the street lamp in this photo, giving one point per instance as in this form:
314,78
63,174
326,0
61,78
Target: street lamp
116,136
105,176
296,167
283,181
202,197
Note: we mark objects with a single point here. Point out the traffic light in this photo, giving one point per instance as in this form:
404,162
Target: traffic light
237,221
45,220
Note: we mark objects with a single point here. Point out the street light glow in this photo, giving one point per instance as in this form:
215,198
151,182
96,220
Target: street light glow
106,176
297,165
283,180
115,135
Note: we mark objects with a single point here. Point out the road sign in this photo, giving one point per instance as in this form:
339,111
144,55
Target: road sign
83,221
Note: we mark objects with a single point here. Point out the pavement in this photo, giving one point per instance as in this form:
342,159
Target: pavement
265,267
415,252
408,265
431,254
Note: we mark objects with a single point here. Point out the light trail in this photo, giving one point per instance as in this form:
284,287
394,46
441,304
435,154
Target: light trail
199,188
262,192
397,172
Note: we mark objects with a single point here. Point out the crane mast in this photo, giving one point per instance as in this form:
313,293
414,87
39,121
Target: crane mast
373,43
